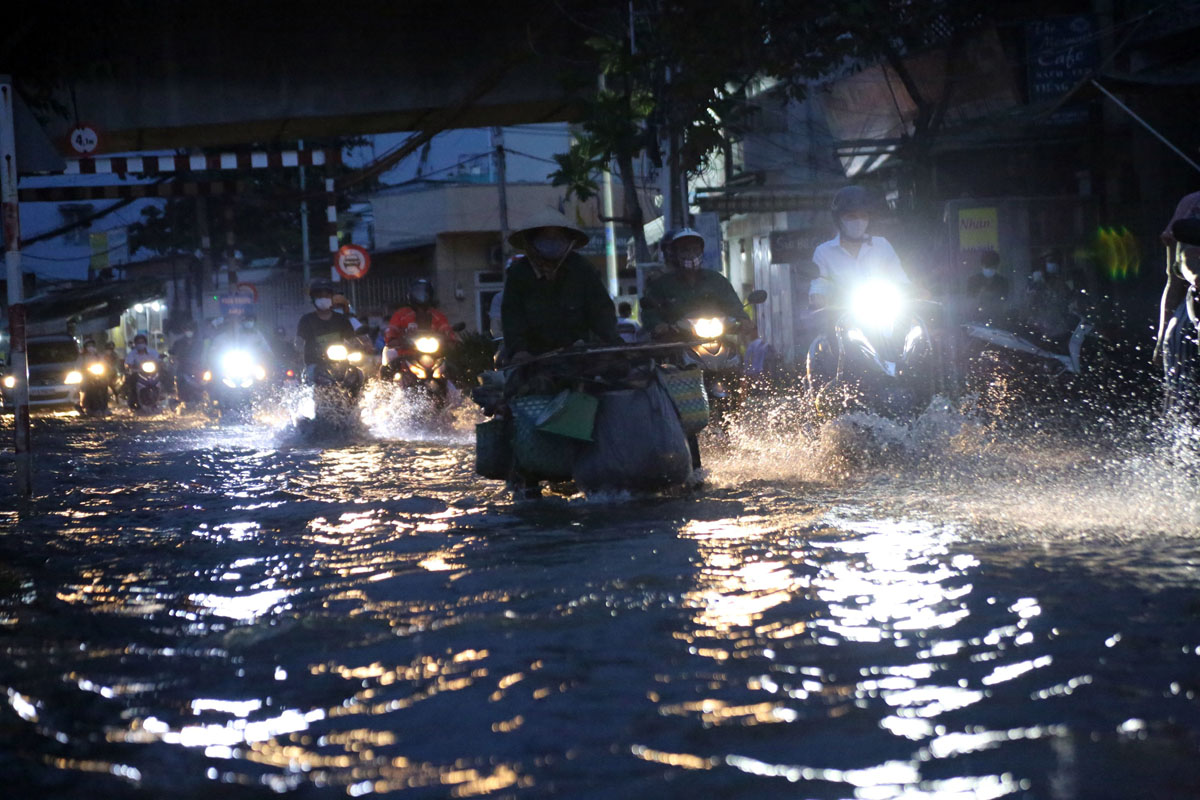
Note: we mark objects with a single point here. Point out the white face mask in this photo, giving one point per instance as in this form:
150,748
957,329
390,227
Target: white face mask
854,229
1038,277
988,273
1051,268
323,303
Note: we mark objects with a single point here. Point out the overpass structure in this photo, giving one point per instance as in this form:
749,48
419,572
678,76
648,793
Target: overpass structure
153,75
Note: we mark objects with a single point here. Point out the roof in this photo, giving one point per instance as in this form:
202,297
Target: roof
91,300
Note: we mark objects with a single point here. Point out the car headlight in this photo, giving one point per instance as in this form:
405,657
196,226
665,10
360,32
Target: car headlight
427,344
10,381
337,352
708,328
354,357
96,368
73,377
149,367
877,302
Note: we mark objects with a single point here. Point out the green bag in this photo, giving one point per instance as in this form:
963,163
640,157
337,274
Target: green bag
572,414
686,388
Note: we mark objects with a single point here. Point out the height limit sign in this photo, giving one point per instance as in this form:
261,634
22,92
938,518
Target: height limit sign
352,262
84,139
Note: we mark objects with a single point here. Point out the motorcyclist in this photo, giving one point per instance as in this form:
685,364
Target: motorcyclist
853,255
322,327
140,353
685,289
187,353
420,313
553,297
988,290
1177,329
242,334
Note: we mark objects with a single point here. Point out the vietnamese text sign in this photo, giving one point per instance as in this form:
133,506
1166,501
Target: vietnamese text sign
978,229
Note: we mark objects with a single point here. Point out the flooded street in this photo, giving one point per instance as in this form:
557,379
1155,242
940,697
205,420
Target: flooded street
852,610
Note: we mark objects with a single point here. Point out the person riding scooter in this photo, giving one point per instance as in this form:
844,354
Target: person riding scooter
685,289
140,354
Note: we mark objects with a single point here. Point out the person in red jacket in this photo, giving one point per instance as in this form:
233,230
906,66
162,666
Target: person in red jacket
419,315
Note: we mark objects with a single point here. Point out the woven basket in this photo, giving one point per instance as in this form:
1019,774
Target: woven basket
546,456
686,388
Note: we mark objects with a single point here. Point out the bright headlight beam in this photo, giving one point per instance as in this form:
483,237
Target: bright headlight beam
149,367
73,377
237,363
96,368
427,344
877,302
337,352
708,328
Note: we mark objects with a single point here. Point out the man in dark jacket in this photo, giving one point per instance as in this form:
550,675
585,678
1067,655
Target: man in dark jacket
553,297
686,289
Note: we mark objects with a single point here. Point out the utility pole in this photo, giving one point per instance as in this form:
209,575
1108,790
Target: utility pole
307,256
18,357
502,183
610,225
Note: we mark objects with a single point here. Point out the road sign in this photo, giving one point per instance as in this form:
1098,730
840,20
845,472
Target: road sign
84,139
352,262
241,301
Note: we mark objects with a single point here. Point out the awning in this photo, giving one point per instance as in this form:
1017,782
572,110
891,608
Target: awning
91,300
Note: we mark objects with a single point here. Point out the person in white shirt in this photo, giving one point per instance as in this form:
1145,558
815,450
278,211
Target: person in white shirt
853,255
140,353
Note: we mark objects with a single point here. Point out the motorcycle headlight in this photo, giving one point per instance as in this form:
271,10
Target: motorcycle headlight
238,364
354,357
73,377
708,328
337,352
10,381
96,368
149,367
427,344
260,373
207,376
877,302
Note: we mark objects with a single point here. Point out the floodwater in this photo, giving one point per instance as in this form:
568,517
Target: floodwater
842,609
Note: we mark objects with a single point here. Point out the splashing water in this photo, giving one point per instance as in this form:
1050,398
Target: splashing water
949,464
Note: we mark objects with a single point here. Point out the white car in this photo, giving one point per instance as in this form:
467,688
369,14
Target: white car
55,373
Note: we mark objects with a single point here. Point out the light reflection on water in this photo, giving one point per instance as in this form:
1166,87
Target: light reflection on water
219,606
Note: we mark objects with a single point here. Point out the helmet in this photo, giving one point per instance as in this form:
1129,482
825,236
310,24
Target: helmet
850,198
420,293
320,287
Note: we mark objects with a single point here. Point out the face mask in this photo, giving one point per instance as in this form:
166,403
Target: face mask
141,348
248,326
187,334
551,248
1038,277
323,303
1051,268
854,229
988,273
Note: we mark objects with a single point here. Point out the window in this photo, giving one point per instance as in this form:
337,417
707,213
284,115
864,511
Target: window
73,214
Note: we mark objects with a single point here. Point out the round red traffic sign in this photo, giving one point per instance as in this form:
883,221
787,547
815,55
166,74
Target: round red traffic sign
352,261
84,139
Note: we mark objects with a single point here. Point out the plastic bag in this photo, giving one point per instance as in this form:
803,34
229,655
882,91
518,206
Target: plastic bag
639,444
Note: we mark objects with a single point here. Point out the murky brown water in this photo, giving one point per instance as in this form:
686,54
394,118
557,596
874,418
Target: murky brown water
854,610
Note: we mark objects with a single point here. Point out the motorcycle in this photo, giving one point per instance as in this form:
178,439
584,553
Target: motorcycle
235,384
146,387
420,368
881,347
1181,351
714,341
336,382
94,388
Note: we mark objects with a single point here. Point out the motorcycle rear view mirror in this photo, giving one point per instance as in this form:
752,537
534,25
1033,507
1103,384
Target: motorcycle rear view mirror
757,297
1187,231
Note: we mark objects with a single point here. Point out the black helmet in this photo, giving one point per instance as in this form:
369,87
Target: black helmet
320,286
850,198
420,293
